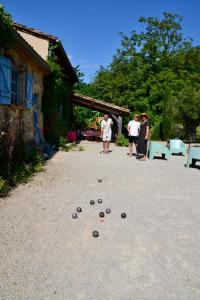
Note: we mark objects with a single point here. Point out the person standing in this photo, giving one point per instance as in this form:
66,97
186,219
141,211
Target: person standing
106,132
143,136
133,133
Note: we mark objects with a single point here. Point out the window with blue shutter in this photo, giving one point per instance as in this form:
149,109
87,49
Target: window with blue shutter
29,90
5,80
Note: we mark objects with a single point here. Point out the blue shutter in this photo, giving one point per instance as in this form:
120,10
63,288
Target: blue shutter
5,80
29,90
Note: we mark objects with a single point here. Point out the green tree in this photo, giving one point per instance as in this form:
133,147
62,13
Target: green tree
7,32
144,70
186,104
83,117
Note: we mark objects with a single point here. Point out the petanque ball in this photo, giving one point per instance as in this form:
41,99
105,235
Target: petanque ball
79,209
101,214
74,216
92,202
99,180
95,234
99,201
108,210
123,215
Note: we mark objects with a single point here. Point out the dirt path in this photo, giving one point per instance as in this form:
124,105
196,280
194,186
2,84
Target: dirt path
152,254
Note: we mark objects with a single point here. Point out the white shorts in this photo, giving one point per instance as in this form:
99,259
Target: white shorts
106,138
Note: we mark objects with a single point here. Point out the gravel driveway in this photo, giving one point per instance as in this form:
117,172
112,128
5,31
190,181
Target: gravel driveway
152,254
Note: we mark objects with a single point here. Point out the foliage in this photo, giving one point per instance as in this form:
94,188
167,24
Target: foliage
186,102
81,148
151,72
81,87
122,141
57,105
4,187
21,171
198,134
65,146
7,32
83,116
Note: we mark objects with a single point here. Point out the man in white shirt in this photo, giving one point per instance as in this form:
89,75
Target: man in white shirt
133,133
106,132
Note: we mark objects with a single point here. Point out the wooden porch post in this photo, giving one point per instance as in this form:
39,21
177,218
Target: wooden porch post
119,125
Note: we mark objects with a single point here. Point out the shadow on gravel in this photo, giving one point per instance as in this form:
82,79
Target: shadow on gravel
160,157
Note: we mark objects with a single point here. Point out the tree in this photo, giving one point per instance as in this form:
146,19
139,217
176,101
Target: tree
83,117
7,32
186,104
144,70
188,109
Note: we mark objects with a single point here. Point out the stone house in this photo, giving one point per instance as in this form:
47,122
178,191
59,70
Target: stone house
43,44
22,71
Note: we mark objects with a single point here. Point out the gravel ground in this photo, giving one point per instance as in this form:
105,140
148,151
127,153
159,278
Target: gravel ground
152,254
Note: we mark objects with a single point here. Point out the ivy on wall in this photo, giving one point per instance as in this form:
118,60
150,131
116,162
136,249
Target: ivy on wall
57,105
7,32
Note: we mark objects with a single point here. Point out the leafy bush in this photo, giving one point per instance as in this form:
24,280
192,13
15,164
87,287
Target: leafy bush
155,132
65,146
21,172
62,142
122,141
198,134
4,187
57,104
81,148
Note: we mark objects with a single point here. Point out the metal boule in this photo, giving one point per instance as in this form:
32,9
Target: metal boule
95,234
79,209
123,215
101,214
74,216
108,210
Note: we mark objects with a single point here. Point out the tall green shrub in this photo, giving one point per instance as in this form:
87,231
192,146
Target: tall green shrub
57,105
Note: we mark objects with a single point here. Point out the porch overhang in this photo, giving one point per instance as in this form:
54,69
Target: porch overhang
99,105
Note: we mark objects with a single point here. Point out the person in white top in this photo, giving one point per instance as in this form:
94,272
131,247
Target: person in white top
133,133
106,132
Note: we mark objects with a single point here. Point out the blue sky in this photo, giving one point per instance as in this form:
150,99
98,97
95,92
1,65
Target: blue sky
89,29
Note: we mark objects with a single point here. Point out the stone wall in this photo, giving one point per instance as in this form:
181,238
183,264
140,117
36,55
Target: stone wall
16,121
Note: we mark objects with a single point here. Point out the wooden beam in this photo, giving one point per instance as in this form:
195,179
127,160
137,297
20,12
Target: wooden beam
96,106
99,105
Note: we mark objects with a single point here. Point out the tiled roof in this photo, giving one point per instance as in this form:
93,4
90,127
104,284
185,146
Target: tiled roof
35,32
